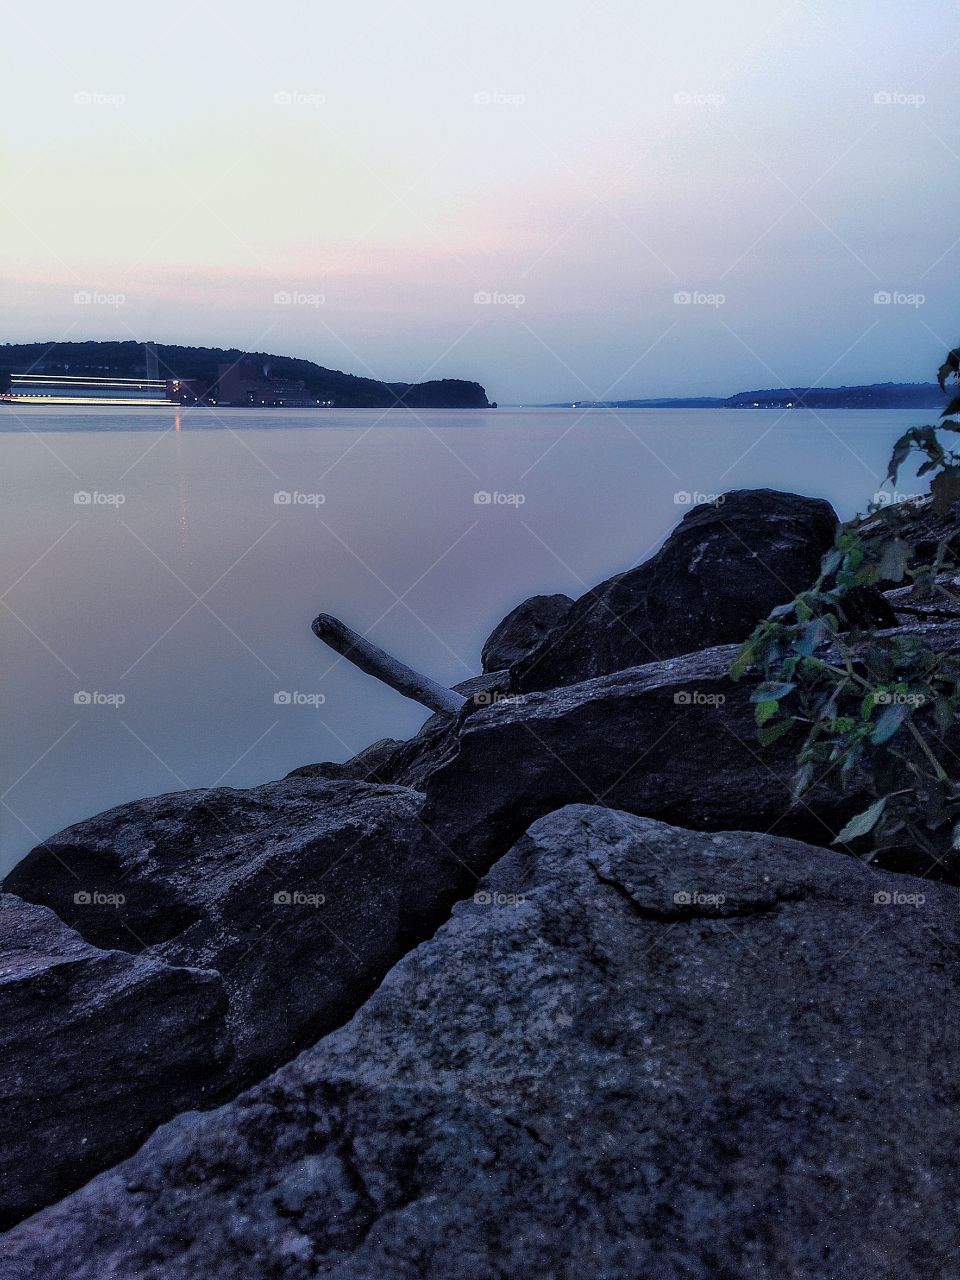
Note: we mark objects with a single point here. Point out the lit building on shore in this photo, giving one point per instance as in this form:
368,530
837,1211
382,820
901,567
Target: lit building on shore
36,388
247,383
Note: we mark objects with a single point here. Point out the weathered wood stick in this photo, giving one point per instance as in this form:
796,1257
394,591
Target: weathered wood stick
369,658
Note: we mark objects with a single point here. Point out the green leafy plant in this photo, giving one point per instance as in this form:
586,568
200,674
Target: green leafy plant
872,709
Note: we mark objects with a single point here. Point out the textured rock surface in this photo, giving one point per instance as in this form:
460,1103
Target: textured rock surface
366,766
96,1049
640,1051
675,740
522,630
408,763
201,873
721,570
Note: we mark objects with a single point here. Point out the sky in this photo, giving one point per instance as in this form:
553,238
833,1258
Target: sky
563,200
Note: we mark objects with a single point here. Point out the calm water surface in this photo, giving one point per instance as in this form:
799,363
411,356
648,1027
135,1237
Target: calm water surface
158,635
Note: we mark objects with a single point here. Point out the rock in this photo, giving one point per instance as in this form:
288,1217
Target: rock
408,763
867,608
96,1049
921,526
522,630
291,891
639,1051
365,766
673,740
721,570
939,601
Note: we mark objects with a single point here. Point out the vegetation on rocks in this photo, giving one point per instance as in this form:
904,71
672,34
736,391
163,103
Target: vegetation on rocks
872,705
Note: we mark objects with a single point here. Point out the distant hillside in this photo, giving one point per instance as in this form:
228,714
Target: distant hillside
879,395
127,359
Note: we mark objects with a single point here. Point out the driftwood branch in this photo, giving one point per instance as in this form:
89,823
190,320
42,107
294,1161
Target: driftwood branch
375,662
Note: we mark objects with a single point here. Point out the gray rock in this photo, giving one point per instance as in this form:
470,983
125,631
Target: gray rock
640,1051
96,1049
408,763
291,891
674,740
720,571
522,630
365,766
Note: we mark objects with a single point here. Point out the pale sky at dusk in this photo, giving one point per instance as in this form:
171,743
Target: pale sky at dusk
582,163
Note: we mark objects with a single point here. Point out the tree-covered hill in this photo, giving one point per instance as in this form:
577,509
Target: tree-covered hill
128,360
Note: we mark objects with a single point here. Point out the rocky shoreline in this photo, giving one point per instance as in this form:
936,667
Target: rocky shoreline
565,985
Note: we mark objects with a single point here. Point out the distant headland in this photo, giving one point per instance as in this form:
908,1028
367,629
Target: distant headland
155,373
878,395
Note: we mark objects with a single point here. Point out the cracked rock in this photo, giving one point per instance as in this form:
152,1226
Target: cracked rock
572,1079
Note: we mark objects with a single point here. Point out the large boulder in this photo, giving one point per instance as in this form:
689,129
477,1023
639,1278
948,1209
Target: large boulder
638,1051
522,630
408,763
674,740
722,569
291,891
96,1049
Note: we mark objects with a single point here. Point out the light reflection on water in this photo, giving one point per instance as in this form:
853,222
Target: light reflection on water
192,598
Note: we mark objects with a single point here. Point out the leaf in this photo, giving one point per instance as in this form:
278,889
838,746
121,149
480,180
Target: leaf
814,634
742,662
769,733
949,366
889,723
899,455
863,823
831,561
802,780
943,714
945,489
772,692
894,560
765,711
952,408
